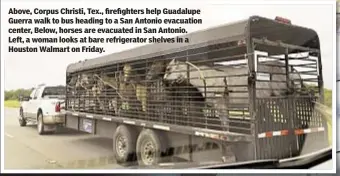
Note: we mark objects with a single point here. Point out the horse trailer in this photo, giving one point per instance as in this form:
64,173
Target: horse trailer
244,90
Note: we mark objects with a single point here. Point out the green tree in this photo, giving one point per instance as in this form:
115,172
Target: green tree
14,94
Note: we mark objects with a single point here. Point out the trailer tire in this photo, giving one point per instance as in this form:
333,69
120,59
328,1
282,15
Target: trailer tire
124,144
149,148
243,151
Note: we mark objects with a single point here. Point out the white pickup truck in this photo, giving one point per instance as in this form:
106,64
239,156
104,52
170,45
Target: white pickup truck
45,107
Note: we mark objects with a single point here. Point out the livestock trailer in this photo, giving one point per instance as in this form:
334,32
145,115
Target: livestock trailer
245,90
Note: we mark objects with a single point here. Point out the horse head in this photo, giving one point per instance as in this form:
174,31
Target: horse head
79,81
127,72
175,72
156,70
99,85
72,81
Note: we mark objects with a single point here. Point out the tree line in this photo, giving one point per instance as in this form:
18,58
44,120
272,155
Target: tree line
14,94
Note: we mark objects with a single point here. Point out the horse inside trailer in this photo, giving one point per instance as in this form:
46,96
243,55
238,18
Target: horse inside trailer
242,82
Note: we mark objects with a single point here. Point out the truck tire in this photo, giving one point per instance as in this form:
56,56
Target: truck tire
22,120
149,148
124,144
40,126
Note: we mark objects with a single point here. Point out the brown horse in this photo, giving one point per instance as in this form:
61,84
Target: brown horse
80,86
131,78
128,91
189,100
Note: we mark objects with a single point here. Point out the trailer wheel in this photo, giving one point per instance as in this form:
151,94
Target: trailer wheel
149,148
124,144
243,151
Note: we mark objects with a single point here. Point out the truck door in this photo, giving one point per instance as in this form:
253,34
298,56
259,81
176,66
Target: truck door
35,102
27,105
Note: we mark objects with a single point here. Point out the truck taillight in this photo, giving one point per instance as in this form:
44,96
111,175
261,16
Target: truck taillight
57,107
283,20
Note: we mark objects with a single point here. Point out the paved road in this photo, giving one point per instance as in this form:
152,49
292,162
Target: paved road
25,149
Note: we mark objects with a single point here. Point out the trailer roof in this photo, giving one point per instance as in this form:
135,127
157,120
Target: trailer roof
226,32
219,34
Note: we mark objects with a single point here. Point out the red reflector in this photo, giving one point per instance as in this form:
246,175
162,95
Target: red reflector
57,107
269,134
284,132
283,20
298,132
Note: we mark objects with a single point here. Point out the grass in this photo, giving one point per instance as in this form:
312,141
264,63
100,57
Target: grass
12,104
327,115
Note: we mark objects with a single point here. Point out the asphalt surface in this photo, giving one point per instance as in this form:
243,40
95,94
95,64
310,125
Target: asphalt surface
67,149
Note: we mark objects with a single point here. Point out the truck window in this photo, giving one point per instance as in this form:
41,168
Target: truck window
56,91
32,93
37,92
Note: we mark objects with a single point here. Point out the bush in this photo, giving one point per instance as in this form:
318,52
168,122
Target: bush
328,97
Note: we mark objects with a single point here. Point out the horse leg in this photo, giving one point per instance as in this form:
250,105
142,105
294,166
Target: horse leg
141,96
223,115
144,101
115,106
86,101
141,101
101,104
143,104
93,102
224,119
111,106
226,116
196,113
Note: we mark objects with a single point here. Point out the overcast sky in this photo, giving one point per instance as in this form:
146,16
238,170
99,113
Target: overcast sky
25,70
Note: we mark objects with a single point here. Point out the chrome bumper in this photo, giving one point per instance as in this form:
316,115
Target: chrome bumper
54,119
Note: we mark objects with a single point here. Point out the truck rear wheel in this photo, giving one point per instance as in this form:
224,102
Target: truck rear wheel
124,144
149,148
41,127
22,120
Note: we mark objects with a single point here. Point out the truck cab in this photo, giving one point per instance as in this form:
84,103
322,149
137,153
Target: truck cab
44,106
